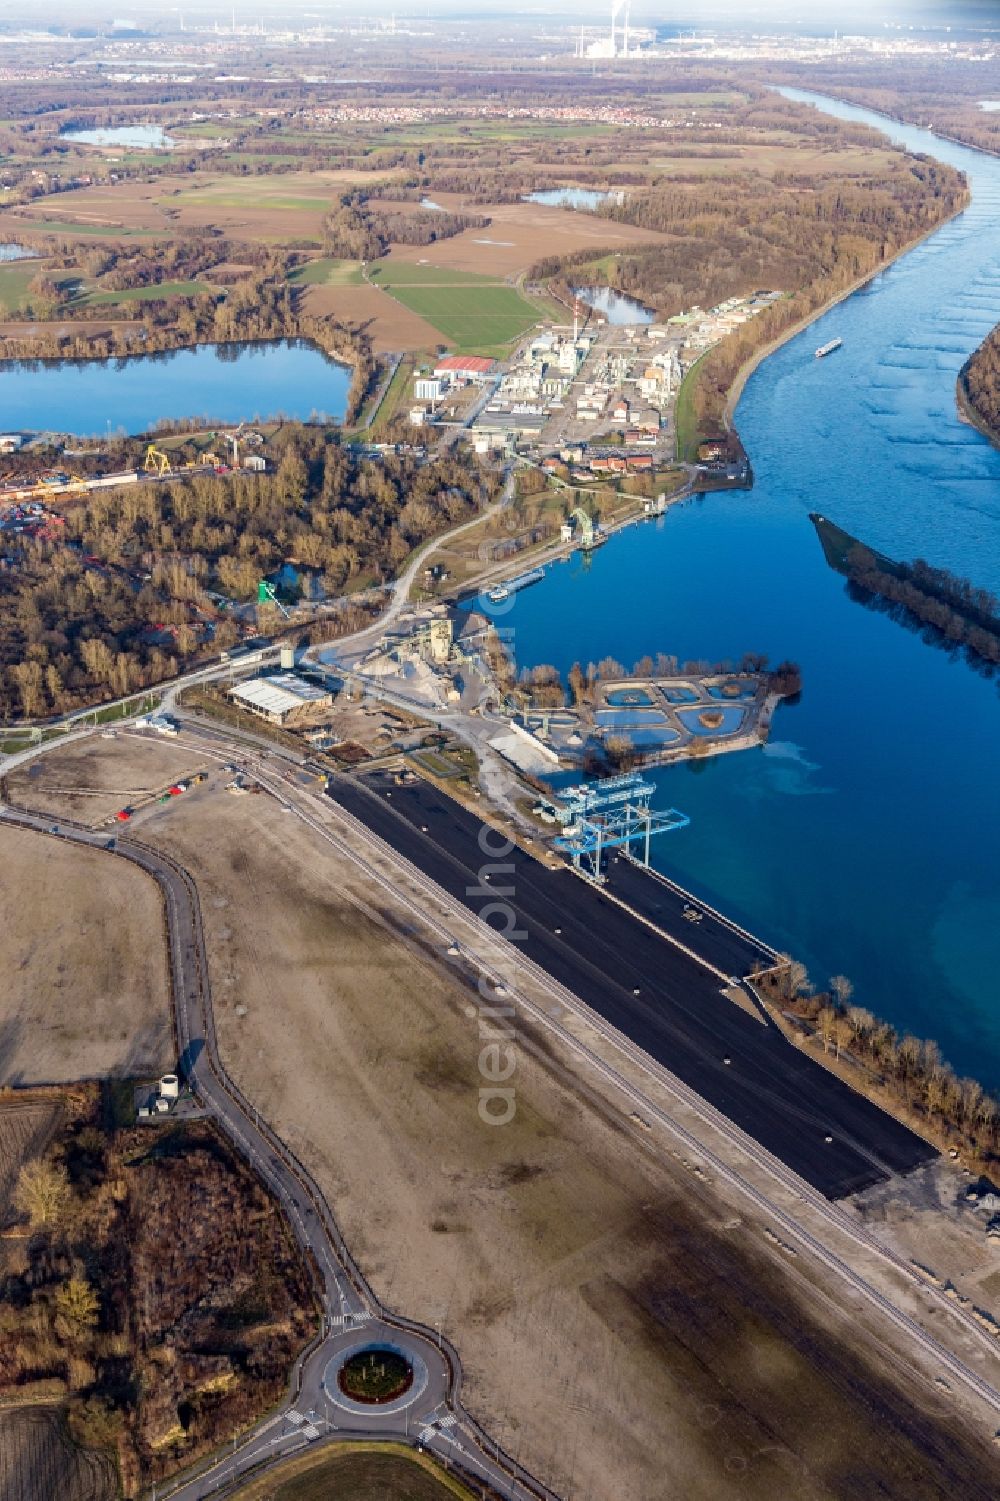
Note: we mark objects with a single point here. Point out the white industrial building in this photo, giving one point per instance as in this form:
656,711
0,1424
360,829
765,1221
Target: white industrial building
281,699
428,388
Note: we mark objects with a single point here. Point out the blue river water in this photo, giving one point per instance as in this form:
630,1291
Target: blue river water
864,837
223,383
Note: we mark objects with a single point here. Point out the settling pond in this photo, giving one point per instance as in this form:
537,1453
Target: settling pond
226,383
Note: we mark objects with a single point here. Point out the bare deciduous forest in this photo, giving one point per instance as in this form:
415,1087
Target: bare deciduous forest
119,600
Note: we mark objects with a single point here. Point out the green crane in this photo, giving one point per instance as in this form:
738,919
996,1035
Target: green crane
267,595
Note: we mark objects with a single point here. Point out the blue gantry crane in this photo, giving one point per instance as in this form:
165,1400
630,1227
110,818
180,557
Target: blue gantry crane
613,814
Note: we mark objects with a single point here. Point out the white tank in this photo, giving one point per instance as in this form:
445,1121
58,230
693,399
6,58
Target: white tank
170,1087
287,658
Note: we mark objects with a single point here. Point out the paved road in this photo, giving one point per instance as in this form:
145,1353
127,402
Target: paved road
352,1315
662,998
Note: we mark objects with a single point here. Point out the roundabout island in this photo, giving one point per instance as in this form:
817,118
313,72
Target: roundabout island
375,1379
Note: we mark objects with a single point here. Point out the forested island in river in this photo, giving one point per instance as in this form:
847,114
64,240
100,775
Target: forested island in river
961,613
979,386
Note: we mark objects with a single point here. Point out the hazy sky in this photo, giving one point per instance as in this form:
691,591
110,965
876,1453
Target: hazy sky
753,14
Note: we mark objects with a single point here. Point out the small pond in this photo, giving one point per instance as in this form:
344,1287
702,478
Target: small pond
629,719
731,716
615,306
732,691
633,697
581,198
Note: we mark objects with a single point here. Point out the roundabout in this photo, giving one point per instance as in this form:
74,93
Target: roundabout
375,1378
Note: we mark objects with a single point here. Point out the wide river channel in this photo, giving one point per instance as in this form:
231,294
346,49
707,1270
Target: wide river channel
865,838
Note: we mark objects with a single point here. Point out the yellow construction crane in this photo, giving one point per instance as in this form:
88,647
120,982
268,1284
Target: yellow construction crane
157,462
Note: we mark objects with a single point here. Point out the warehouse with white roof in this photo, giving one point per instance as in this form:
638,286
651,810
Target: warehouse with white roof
284,699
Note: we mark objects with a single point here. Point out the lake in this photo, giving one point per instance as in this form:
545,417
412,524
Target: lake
226,383
864,837
135,137
587,199
615,306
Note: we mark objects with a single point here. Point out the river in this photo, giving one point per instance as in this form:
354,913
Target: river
225,383
864,837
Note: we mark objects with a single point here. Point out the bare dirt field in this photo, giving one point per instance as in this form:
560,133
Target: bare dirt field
27,1124
39,1463
623,1330
928,1218
39,329
283,207
390,325
522,233
83,977
91,779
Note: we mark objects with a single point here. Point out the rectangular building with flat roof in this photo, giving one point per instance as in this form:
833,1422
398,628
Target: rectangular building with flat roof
282,699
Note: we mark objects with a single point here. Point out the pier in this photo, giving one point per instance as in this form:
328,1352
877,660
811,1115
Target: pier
629,951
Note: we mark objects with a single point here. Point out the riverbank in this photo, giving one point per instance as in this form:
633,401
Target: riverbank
968,410
759,356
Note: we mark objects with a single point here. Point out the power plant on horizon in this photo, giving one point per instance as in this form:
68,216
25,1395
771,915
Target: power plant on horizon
608,46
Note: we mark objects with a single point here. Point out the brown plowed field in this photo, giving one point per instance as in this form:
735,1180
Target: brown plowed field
390,325
522,233
39,1463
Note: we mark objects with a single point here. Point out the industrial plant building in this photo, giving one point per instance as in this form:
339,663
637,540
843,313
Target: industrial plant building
284,699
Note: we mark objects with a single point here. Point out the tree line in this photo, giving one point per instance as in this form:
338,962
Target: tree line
964,614
979,381
358,231
911,1070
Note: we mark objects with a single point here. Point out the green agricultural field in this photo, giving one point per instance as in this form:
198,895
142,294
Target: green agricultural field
208,130
393,274
356,1474
473,312
488,130
237,159
471,317
252,198
327,272
15,278
684,414
148,294
108,231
